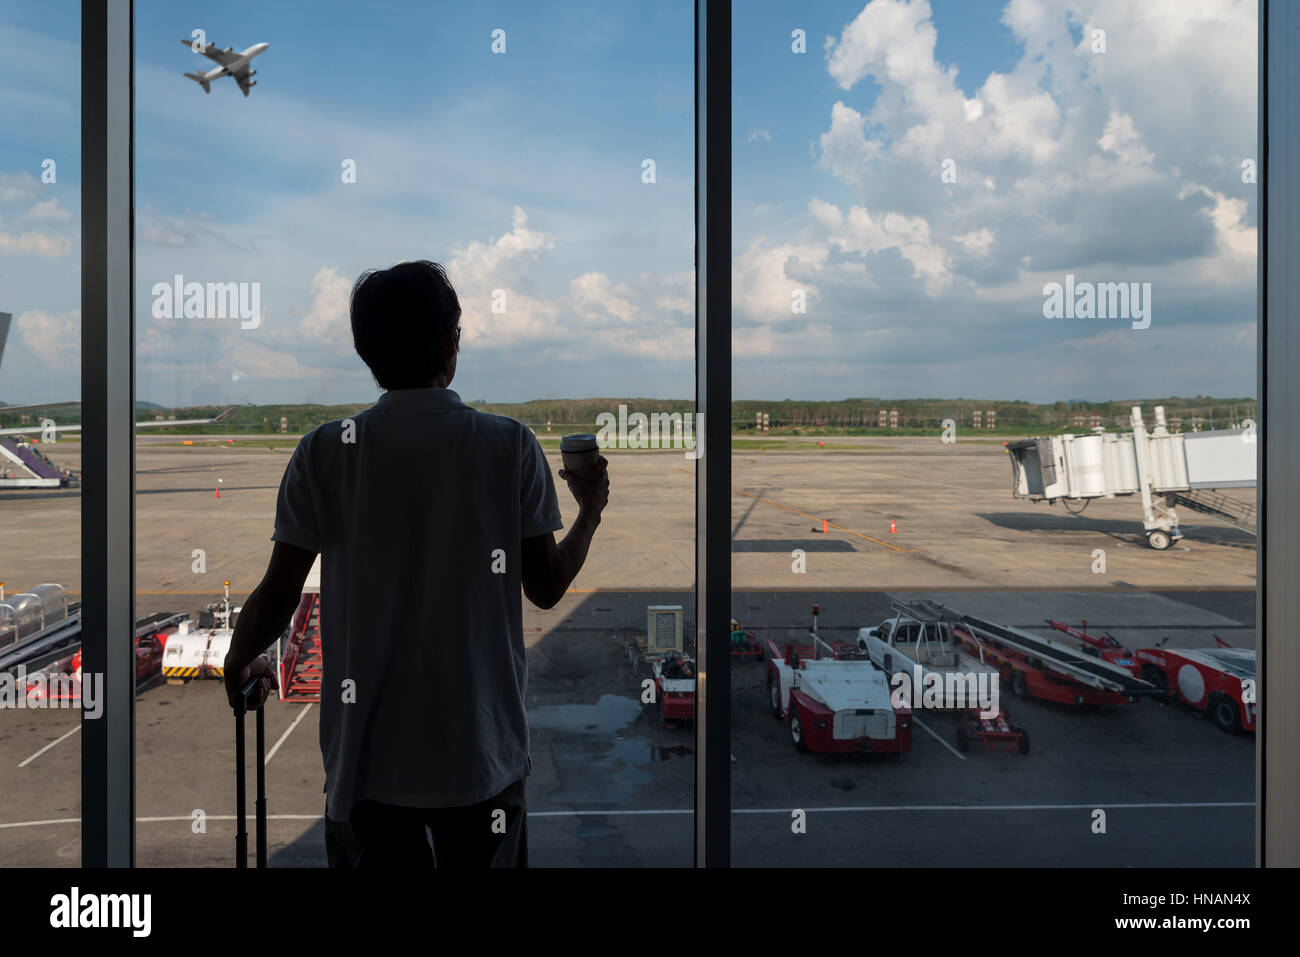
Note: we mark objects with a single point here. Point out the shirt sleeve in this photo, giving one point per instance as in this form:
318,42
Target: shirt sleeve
296,517
539,510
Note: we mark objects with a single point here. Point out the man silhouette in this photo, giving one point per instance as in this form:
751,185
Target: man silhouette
429,517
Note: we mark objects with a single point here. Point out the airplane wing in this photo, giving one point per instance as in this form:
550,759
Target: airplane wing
165,424
241,77
211,51
5,409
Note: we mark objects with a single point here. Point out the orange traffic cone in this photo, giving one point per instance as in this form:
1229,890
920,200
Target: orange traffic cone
217,493
826,526
893,527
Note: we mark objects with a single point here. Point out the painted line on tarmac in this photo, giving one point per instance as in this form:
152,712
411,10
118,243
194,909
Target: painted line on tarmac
926,728
1002,807
284,737
50,745
666,812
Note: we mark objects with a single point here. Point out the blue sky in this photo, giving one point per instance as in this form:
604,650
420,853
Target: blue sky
522,172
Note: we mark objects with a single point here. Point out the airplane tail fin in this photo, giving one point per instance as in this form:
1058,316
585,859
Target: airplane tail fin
201,80
4,332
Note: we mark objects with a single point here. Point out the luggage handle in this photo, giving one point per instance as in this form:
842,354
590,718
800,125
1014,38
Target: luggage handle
246,694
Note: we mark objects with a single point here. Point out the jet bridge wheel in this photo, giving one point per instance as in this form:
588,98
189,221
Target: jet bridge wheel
1159,539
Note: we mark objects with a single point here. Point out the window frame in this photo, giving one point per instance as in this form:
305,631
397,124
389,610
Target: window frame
108,409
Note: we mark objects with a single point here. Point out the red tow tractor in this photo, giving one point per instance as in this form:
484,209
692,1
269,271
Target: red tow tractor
840,702
674,675
1219,681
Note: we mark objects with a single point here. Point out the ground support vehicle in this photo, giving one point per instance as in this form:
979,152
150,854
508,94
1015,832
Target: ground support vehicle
1218,681
836,701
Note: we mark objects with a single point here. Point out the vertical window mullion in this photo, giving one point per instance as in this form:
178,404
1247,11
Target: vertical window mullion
108,432
713,398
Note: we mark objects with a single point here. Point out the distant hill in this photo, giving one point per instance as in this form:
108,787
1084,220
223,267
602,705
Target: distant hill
789,416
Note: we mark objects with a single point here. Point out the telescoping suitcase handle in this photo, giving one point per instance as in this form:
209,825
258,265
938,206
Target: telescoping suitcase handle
241,832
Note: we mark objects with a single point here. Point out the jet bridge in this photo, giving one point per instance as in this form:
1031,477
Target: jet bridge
1164,469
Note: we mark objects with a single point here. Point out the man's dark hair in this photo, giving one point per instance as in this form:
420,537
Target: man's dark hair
401,318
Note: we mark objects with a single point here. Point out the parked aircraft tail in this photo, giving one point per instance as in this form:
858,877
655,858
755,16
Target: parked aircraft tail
4,332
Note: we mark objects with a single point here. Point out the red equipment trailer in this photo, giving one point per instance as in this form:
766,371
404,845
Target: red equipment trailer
743,643
996,733
1037,667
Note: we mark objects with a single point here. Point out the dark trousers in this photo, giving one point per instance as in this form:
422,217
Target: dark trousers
492,833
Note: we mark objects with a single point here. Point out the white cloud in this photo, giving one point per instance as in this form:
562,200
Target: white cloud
1122,138
192,228
327,321
977,242
860,233
40,244
764,278
480,266
17,187
49,211
53,338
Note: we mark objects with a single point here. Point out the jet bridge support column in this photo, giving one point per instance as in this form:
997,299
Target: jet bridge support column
1159,520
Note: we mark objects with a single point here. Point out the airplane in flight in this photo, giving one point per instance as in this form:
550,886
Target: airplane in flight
232,64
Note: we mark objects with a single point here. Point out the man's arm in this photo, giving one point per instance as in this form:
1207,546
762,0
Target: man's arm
549,568
264,617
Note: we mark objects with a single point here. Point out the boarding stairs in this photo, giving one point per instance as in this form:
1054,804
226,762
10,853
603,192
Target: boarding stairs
301,662
34,463
1209,502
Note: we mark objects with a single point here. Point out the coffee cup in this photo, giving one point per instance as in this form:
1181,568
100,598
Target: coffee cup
580,452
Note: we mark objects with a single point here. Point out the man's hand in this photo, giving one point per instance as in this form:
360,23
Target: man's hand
590,487
236,678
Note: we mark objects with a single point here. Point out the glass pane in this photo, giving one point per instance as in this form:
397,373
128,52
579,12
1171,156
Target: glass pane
545,156
40,439
995,371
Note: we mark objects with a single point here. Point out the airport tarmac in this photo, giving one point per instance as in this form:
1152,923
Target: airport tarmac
613,787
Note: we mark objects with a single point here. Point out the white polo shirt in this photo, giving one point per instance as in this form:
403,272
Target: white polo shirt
418,507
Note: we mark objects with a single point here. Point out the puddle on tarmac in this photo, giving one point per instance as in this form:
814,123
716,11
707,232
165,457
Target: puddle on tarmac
610,713
663,754
595,766
593,775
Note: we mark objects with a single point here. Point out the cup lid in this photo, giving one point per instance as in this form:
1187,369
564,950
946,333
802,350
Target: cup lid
580,442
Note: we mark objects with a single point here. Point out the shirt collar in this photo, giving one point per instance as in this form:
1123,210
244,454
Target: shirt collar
420,399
